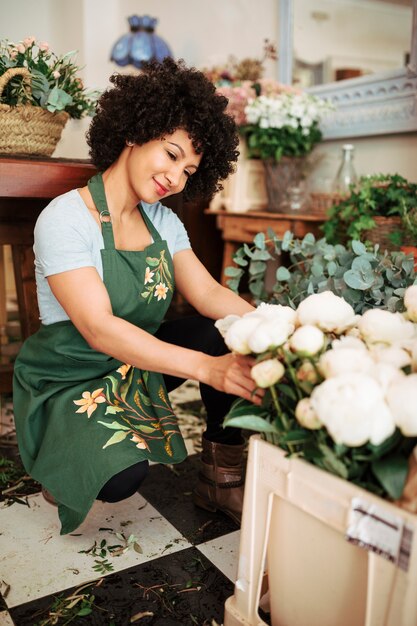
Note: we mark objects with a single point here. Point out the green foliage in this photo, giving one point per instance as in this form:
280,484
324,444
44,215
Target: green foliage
380,195
274,143
364,278
54,82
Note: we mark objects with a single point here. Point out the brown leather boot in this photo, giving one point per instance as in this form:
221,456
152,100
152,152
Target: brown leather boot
220,482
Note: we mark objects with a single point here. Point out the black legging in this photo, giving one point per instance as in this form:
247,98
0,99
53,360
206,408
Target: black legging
197,333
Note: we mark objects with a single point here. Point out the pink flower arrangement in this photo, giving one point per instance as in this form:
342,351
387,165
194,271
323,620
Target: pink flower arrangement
240,94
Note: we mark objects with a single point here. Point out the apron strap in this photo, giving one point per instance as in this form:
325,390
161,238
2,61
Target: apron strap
96,188
155,235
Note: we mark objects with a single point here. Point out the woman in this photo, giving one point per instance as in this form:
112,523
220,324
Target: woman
90,387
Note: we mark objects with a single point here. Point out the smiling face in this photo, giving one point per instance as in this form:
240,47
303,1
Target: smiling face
161,167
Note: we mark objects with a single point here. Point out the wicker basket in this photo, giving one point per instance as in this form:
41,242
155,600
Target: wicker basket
321,202
384,226
27,129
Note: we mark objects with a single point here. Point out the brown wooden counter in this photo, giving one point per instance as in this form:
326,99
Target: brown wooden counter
26,186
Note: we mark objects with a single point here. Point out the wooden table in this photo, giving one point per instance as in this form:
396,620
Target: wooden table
238,228
26,187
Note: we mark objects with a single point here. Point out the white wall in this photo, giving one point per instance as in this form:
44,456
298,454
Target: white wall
352,33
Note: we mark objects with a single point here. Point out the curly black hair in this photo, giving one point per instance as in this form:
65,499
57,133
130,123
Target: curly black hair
165,97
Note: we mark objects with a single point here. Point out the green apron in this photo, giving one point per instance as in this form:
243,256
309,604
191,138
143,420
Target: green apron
81,415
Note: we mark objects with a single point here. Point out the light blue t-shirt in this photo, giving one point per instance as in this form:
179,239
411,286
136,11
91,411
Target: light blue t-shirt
67,238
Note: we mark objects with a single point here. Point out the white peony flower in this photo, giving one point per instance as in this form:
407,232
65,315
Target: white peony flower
269,333
349,342
327,311
307,340
275,311
397,357
306,415
385,374
344,361
225,323
414,357
353,409
402,400
267,373
378,326
410,302
238,334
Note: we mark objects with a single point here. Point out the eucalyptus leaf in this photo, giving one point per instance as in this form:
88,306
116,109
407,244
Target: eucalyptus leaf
58,99
282,273
259,241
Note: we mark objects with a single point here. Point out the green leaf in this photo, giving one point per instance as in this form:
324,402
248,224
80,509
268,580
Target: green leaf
85,611
251,422
146,429
297,436
257,267
358,280
145,294
282,274
234,272
152,261
112,410
116,438
261,255
58,99
114,426
358,247
259,241
332,463
391,472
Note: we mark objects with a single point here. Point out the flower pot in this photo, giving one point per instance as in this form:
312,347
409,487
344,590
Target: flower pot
411,250
279,179
26,129
299,517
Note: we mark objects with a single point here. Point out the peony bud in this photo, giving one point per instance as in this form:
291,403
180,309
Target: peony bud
307,340
43,46
306,415
267,373
307,372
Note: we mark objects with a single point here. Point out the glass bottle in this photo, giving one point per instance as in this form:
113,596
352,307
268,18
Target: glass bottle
346,174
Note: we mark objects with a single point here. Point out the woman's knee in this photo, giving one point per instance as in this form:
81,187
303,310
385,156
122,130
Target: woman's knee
125,483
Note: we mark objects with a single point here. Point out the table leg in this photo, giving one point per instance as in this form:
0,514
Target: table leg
24,272
230,248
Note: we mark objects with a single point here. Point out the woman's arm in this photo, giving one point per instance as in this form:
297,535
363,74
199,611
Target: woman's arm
204,293
83,296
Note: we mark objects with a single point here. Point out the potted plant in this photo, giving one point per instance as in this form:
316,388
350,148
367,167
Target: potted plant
40,91
338,426
279,125
381,209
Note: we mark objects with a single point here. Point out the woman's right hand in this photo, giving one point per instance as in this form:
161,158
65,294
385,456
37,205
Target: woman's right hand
231,373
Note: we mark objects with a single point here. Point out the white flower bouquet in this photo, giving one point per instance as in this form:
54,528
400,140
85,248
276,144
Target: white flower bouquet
341,388
285,124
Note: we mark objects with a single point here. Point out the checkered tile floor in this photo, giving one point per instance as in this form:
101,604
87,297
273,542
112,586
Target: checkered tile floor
152,559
